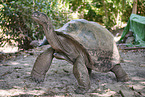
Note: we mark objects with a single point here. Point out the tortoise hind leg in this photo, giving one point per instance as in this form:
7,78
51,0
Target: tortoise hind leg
42,65
81,74
120,73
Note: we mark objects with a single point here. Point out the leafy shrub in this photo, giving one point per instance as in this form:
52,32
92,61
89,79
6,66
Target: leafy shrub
17,25
16,22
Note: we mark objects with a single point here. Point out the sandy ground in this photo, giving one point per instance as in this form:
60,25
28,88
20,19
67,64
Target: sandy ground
15,77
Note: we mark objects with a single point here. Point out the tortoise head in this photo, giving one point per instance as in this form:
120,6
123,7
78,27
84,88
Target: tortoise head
39,17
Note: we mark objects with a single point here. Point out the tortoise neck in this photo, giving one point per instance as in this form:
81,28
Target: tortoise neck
48,27
51,35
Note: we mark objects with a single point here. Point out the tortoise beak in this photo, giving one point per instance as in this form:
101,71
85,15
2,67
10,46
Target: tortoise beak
33,17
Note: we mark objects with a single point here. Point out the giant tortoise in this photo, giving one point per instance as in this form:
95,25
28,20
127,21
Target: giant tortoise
85,44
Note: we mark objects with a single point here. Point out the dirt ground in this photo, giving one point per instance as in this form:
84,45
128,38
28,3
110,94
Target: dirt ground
15,77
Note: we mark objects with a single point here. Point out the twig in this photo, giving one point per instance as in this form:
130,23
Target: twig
132,48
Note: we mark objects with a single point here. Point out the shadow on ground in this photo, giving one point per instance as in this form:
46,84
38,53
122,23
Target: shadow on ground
15,77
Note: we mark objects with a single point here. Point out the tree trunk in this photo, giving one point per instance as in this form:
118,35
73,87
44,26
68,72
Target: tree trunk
134,10
106,14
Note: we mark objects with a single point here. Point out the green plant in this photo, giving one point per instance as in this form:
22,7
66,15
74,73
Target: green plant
16,22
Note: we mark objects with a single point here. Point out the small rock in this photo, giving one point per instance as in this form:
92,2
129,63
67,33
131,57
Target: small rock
142,65
129,40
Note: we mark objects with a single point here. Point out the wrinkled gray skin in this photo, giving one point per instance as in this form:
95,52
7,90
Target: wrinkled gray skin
86,45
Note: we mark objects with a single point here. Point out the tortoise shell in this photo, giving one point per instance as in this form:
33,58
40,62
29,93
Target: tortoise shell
97,40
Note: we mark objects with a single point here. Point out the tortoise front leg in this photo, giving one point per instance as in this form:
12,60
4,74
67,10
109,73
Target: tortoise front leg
81,74
42,65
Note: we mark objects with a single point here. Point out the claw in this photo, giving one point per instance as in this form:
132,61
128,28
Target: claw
37,77
81,90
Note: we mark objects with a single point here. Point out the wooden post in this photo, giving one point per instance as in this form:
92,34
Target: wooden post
134,9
